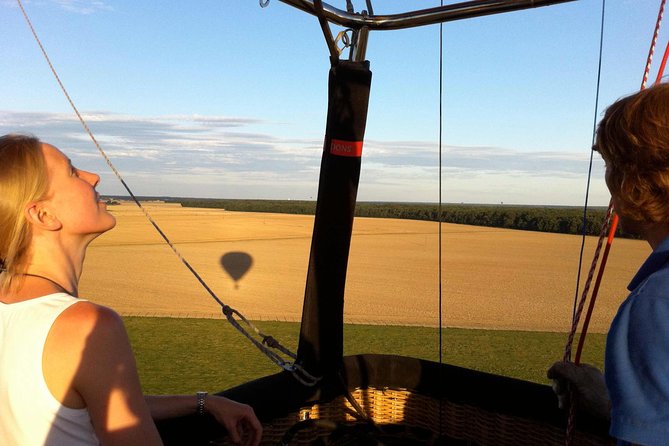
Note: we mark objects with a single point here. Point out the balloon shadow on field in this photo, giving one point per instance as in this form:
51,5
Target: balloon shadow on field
236,264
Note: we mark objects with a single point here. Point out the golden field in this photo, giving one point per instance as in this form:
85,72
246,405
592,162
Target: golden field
491,278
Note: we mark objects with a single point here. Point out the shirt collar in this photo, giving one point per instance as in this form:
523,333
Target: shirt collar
655,261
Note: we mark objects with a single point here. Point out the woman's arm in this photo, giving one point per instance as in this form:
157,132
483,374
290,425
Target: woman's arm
106,377
239,419
90,364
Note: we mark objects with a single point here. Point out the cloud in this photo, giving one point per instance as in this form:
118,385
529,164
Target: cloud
178,152
480,159
237,157
84,7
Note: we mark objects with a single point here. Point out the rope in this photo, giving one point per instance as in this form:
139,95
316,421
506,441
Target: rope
586,322
268,342
653,41
586,288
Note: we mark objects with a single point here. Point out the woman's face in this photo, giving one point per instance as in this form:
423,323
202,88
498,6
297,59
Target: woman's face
72,196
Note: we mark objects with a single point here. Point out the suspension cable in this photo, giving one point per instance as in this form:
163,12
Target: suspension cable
577,307
439,210
267,343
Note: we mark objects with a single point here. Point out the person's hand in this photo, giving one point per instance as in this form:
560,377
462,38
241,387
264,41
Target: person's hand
585,384
239,420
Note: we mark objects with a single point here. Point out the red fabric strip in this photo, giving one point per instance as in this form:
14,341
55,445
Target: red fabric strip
346,148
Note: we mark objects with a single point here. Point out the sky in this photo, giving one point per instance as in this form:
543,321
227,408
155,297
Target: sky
225,99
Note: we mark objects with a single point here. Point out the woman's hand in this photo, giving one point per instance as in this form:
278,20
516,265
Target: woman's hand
239,419
585,383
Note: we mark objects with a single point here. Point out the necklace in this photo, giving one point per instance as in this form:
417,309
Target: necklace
50,280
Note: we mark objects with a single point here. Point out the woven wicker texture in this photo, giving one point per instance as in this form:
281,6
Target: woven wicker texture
405,417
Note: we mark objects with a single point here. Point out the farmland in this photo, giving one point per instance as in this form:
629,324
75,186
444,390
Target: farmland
558,219
493,278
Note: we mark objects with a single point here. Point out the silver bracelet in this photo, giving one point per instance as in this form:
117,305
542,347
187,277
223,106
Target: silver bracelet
201,396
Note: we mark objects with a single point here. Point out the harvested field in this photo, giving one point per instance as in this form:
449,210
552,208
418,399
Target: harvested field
492,278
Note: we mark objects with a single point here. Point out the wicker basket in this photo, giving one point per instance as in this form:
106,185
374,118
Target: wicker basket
405,417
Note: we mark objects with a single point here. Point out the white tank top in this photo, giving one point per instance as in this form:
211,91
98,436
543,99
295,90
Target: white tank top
29,413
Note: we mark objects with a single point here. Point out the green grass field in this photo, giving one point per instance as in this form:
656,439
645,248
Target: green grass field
176,355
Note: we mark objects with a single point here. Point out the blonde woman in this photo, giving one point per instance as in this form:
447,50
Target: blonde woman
67,372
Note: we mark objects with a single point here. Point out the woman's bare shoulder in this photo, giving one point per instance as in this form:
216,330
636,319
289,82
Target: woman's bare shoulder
89,314
91,325
85,341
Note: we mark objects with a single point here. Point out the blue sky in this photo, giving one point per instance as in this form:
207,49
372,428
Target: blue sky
227,99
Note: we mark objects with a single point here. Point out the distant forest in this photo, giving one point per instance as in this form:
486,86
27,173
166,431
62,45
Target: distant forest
559,219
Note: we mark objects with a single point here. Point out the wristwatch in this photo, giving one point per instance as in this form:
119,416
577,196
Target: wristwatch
201,396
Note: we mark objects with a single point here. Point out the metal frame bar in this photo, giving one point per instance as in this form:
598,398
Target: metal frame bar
446,13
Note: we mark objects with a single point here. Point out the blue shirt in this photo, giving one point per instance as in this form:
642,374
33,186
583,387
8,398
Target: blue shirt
637,356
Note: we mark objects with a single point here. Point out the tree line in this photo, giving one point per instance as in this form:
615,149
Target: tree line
558,219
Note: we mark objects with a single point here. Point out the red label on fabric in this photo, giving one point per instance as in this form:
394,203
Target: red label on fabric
346,148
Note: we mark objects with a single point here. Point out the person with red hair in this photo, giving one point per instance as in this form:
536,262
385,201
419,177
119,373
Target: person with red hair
633,393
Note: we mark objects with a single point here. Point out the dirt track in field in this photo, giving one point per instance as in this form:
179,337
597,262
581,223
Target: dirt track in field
492,278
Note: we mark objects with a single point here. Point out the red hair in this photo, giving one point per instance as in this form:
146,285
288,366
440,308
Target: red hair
633,139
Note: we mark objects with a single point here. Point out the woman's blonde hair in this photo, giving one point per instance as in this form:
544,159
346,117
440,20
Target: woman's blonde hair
633,139
23,179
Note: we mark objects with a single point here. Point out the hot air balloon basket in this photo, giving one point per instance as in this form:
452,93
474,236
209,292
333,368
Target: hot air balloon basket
404,417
